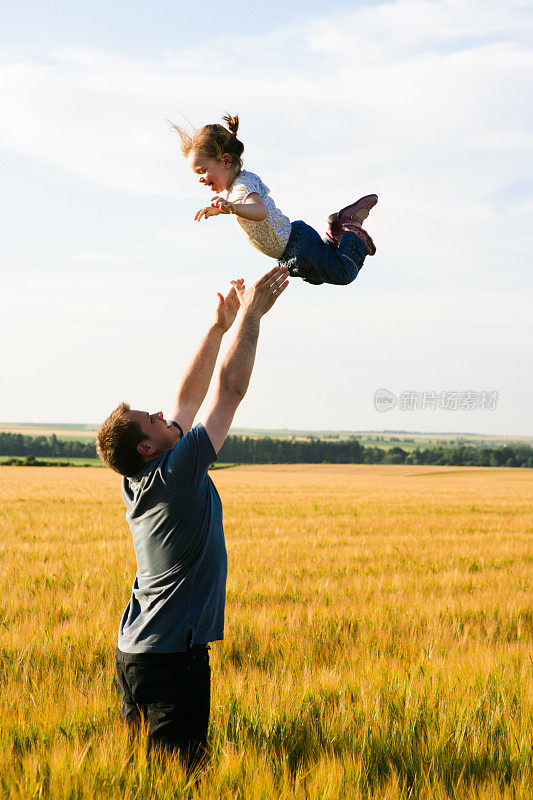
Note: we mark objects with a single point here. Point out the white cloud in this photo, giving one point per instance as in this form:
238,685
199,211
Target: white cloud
371,86
424,102
399,29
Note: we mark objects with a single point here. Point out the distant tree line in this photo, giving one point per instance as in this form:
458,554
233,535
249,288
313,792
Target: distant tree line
265,450
31,461
16,444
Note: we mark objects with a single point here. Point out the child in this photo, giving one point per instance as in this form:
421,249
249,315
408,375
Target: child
214,154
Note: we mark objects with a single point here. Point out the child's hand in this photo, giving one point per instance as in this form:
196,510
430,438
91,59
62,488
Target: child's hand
219,205
209,211
220,202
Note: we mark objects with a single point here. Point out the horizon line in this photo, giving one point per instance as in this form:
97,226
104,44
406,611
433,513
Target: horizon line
88,426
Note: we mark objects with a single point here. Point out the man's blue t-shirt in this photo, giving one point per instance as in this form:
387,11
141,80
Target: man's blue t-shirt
175,516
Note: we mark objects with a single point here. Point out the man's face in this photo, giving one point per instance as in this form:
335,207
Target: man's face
159,435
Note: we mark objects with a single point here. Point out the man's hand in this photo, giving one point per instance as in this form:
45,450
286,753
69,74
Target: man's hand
260,297
228,306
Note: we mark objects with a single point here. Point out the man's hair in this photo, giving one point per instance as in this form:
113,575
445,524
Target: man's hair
117,440
213,141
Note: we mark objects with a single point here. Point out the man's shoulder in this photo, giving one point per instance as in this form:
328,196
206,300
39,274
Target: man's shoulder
183,465
176,469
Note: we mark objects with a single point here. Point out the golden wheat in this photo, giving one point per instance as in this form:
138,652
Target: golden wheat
379,634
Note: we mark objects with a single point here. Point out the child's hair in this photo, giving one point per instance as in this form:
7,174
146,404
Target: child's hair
213,141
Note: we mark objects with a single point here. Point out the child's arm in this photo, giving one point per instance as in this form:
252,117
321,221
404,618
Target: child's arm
252,208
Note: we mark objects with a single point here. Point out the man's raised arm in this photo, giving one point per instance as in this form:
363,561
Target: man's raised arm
197,377
237,366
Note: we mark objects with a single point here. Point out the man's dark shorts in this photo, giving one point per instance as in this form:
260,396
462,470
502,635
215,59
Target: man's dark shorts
171,692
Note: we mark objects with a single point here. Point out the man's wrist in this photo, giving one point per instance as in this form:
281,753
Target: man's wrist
251,315
218,328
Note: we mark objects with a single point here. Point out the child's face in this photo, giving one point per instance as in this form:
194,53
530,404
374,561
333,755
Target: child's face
212,172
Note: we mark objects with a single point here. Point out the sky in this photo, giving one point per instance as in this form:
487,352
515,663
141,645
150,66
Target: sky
108,284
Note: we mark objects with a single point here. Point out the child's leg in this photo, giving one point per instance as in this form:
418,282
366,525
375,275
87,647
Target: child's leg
309,257
350,257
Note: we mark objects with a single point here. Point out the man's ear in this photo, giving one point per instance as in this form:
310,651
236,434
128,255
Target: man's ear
146,448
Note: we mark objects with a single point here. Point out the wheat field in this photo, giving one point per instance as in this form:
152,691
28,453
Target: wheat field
379,631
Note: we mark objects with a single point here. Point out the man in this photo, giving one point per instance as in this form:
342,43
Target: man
175,516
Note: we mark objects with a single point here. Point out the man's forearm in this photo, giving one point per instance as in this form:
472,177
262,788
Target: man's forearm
195,382
238,364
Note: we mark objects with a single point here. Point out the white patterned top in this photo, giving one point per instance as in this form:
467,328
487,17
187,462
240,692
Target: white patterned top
271,235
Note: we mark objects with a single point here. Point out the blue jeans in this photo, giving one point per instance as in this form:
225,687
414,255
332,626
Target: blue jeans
309,257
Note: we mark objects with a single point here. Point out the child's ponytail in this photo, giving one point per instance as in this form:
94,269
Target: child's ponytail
213,141
232,123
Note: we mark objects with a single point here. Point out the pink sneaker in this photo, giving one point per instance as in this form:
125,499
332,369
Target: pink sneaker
351,215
